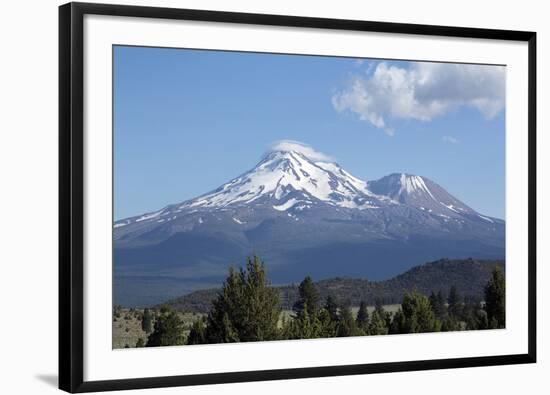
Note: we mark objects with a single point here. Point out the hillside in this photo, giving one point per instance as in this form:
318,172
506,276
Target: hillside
469,276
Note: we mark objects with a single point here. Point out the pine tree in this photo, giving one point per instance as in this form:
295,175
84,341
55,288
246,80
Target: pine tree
331,306
306,326
398,323
455,303
286,330
450,324
437,303
433,301
379,320
363,317
476,319
416,315
441,305
308,301
377,324
308,322
140,343
470,312
347,325
495,299
197,334
168,330
247,308
328,325
326,320
147,321
219,328
481,320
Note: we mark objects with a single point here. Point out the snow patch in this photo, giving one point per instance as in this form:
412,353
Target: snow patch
485,218
450,207
411,184
285,206
149,216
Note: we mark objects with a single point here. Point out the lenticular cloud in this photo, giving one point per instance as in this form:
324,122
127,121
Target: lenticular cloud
304,149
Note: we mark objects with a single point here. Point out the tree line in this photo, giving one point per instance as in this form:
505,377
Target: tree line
468,275
248,309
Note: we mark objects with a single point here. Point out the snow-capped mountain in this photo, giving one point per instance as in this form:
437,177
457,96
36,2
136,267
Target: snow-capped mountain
283,173
282,179
303,216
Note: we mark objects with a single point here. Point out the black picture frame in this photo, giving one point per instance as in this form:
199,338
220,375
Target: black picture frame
71,195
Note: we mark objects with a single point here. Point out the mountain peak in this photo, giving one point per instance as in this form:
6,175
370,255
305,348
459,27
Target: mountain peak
290,169
304,150
419,192
399,185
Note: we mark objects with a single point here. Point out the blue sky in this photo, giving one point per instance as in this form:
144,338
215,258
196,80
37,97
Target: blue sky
187,121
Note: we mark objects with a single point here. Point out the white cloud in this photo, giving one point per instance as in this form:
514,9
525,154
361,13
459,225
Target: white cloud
450,139
304,149
422,92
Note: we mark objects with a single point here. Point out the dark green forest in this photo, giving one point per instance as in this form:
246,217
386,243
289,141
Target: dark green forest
247,308
469,276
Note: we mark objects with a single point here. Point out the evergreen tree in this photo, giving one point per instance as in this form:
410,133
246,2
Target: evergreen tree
455,303
219,328
477,319
437,303
415,315
450,324
197,334
433,301
247,308
326,320
495,299
363,317
347,325
379,320
378,324
331,306
469,312
308,301
147,321
398,323
287,329
441,305
328,325
305,325
168,330
308,322
481,320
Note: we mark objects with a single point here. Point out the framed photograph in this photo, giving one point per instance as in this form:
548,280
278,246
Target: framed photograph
250,197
